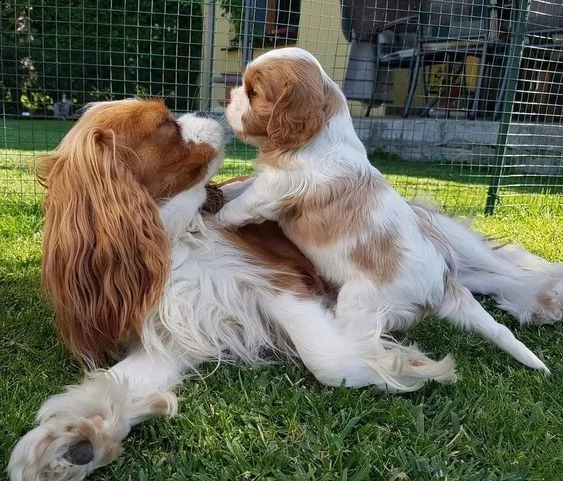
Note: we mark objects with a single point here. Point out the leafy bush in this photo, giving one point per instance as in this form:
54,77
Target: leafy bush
98,50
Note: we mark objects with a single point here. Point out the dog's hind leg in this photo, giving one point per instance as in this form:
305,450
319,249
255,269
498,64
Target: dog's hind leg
336,357
462,309
82,428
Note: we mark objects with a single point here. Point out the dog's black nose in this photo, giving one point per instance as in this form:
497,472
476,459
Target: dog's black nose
80,453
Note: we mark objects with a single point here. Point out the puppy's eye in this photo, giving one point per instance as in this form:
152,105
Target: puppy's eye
252,93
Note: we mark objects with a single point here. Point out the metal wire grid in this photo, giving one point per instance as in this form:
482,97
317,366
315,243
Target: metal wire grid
461,100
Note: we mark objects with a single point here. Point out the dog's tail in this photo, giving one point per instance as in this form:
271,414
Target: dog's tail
526,286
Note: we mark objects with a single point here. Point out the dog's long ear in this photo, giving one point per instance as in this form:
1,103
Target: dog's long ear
106,256
299,113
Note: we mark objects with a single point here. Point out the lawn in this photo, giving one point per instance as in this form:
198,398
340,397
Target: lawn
500,421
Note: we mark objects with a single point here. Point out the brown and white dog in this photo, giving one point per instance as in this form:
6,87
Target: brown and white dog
393,262
136,269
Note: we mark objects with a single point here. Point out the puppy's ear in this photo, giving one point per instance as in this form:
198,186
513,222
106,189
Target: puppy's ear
106,256
299,114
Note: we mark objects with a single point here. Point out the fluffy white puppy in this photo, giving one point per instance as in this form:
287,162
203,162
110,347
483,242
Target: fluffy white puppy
393,262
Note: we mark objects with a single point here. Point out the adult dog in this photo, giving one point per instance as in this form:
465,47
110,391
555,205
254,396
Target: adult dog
137,269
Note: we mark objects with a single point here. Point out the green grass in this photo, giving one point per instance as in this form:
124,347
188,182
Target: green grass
22,140
500,421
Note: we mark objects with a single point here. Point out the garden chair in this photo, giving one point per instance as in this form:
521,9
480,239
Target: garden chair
451,31
539,93
382,37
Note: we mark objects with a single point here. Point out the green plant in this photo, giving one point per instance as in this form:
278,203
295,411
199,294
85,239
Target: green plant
33,98
86,47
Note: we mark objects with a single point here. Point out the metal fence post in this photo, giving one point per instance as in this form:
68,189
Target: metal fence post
247,32
206,77
514,62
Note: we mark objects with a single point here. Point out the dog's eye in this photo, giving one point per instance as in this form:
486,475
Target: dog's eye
252,93
166,122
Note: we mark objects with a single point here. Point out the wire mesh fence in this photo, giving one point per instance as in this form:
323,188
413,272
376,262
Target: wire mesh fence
459,101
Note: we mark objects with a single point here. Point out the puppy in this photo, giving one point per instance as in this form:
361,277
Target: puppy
390,259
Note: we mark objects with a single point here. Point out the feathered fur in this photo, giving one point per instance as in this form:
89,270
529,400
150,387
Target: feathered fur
105,254
217,296
390,260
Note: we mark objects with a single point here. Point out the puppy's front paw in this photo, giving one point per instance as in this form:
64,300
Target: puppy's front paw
226,220
229,219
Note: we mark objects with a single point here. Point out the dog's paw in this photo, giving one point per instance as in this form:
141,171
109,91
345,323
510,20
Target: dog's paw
82,428
63,448
550,306
225,219
194,225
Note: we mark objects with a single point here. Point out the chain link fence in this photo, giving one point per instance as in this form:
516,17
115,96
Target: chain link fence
459,101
